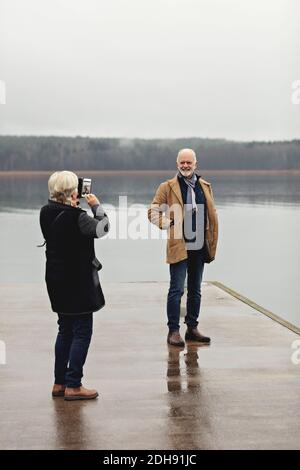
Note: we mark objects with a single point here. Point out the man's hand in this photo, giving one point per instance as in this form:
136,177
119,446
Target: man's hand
92,200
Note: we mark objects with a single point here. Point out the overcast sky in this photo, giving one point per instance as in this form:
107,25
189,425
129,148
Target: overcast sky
150,68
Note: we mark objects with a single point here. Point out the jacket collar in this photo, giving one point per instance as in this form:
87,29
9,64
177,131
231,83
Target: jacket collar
60,205
175,186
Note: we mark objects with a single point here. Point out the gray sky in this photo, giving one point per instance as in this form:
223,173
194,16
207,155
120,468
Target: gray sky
150,68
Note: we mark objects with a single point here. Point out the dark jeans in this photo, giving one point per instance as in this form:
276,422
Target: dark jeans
71,348
193,266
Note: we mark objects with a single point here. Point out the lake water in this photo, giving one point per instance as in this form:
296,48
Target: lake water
258,253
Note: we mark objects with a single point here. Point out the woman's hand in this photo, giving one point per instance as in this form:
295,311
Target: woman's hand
92,200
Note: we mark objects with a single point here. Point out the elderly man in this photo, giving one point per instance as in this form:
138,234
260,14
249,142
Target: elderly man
184,206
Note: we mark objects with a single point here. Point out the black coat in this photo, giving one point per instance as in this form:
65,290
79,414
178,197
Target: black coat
71,266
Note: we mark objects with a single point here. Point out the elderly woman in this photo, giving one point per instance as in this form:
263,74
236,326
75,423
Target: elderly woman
72,278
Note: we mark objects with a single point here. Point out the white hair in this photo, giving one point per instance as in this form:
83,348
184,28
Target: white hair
64,184
190,151
51,183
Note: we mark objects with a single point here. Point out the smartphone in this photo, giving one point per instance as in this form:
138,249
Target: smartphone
84,186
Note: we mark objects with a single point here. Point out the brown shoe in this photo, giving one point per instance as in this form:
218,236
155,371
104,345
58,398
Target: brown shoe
58,390
193,334
80,393
174,339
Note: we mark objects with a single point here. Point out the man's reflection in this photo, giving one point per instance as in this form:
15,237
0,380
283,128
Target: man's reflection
188,404
176,377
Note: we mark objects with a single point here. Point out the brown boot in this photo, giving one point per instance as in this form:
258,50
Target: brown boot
80,393
174,339
58,390
193,334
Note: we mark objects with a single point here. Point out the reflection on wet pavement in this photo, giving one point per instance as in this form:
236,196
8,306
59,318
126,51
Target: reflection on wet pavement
188,407
240,392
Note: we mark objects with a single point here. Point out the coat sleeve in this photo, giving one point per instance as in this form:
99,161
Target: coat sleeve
216,223
95,227
159,208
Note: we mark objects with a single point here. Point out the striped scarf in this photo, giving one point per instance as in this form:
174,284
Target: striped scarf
191,197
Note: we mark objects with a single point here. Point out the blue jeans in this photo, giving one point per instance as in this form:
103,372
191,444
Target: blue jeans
71,348
193,266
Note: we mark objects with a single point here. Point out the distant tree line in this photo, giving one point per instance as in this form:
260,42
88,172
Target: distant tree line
84,153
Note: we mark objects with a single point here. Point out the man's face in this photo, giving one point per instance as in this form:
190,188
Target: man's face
186,164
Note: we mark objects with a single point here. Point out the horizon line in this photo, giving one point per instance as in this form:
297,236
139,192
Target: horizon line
295,139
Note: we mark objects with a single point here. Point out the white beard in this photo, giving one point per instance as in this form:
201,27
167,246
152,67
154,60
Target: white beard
186,173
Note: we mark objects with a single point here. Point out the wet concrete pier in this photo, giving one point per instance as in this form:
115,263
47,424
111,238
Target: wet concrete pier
241,392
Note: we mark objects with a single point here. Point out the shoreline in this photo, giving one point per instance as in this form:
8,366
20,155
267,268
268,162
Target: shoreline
38,173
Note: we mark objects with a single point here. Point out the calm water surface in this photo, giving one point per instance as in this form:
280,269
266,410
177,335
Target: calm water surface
258,252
